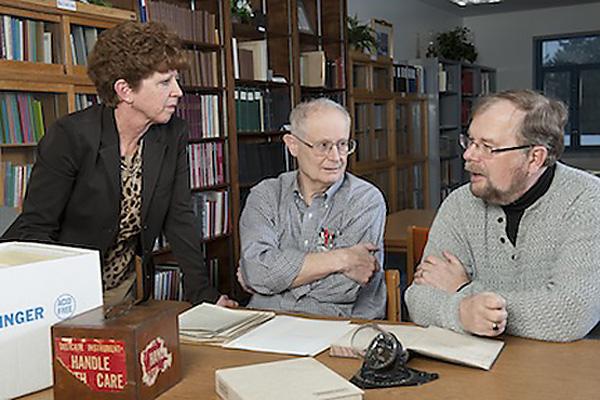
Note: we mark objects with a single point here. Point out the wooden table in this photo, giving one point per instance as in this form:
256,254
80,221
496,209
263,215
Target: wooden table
526,369
397,224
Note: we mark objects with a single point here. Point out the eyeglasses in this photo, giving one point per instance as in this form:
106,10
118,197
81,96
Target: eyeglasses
344,146
485,150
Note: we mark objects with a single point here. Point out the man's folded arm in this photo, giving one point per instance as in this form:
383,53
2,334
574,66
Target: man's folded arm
432,306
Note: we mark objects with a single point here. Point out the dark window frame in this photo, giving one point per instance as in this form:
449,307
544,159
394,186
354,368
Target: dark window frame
575,71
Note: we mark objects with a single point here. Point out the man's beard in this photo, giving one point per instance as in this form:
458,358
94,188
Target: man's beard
493,195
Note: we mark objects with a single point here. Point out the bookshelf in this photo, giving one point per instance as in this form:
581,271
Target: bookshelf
454,88
39,79
203,29
390,127
320,56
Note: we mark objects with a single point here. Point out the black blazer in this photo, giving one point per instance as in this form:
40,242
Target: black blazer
73,195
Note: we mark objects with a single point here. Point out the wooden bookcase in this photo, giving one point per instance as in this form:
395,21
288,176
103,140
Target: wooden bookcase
391,131
454,88
323,34
40,74
203,27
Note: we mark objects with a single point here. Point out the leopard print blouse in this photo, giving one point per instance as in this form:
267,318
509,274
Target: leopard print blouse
118,260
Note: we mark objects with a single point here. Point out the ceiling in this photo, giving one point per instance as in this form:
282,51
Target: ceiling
505,6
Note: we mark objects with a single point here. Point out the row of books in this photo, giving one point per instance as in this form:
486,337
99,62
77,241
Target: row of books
15,179
410,191
21,118
408,129
192,25
212,208
206,164
317,71
203,69
168,280
168,283
444,83
470,85
25,40
83,101
381,79
378,120
409,78
83,39
261,160
486,83
449,146
259,110
371,147
335,76
201,112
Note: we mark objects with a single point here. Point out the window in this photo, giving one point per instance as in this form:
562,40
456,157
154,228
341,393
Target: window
568,68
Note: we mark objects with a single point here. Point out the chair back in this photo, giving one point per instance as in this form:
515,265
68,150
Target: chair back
415,245
392,282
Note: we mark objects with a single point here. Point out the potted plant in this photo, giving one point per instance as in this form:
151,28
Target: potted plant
241,11
361,37
453,45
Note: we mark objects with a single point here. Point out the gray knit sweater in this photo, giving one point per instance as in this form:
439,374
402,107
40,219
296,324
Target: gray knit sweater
550,279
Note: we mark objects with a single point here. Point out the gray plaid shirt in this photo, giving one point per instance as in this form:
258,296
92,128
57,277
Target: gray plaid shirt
278,229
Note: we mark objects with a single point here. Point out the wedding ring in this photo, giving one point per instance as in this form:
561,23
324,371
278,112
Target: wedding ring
494,326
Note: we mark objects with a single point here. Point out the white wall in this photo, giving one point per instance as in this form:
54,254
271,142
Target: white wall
409,17
505,41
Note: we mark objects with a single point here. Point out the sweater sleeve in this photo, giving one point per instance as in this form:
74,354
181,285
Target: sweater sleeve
432,306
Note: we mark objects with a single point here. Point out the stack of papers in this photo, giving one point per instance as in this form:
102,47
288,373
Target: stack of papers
432,341
211,324
292,335
239,329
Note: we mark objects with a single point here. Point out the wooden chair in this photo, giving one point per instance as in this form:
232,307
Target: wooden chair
415,244
392,282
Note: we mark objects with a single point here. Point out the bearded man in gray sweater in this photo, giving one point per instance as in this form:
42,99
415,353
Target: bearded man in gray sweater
516,250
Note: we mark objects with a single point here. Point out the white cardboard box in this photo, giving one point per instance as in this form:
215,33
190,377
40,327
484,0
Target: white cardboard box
40,285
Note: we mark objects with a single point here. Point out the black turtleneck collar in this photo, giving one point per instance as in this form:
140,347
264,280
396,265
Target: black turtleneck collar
515,210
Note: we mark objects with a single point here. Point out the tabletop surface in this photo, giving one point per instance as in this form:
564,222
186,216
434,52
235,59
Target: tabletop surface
525,369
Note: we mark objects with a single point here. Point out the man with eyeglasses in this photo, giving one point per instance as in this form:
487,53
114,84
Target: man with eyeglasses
516,250
312,239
